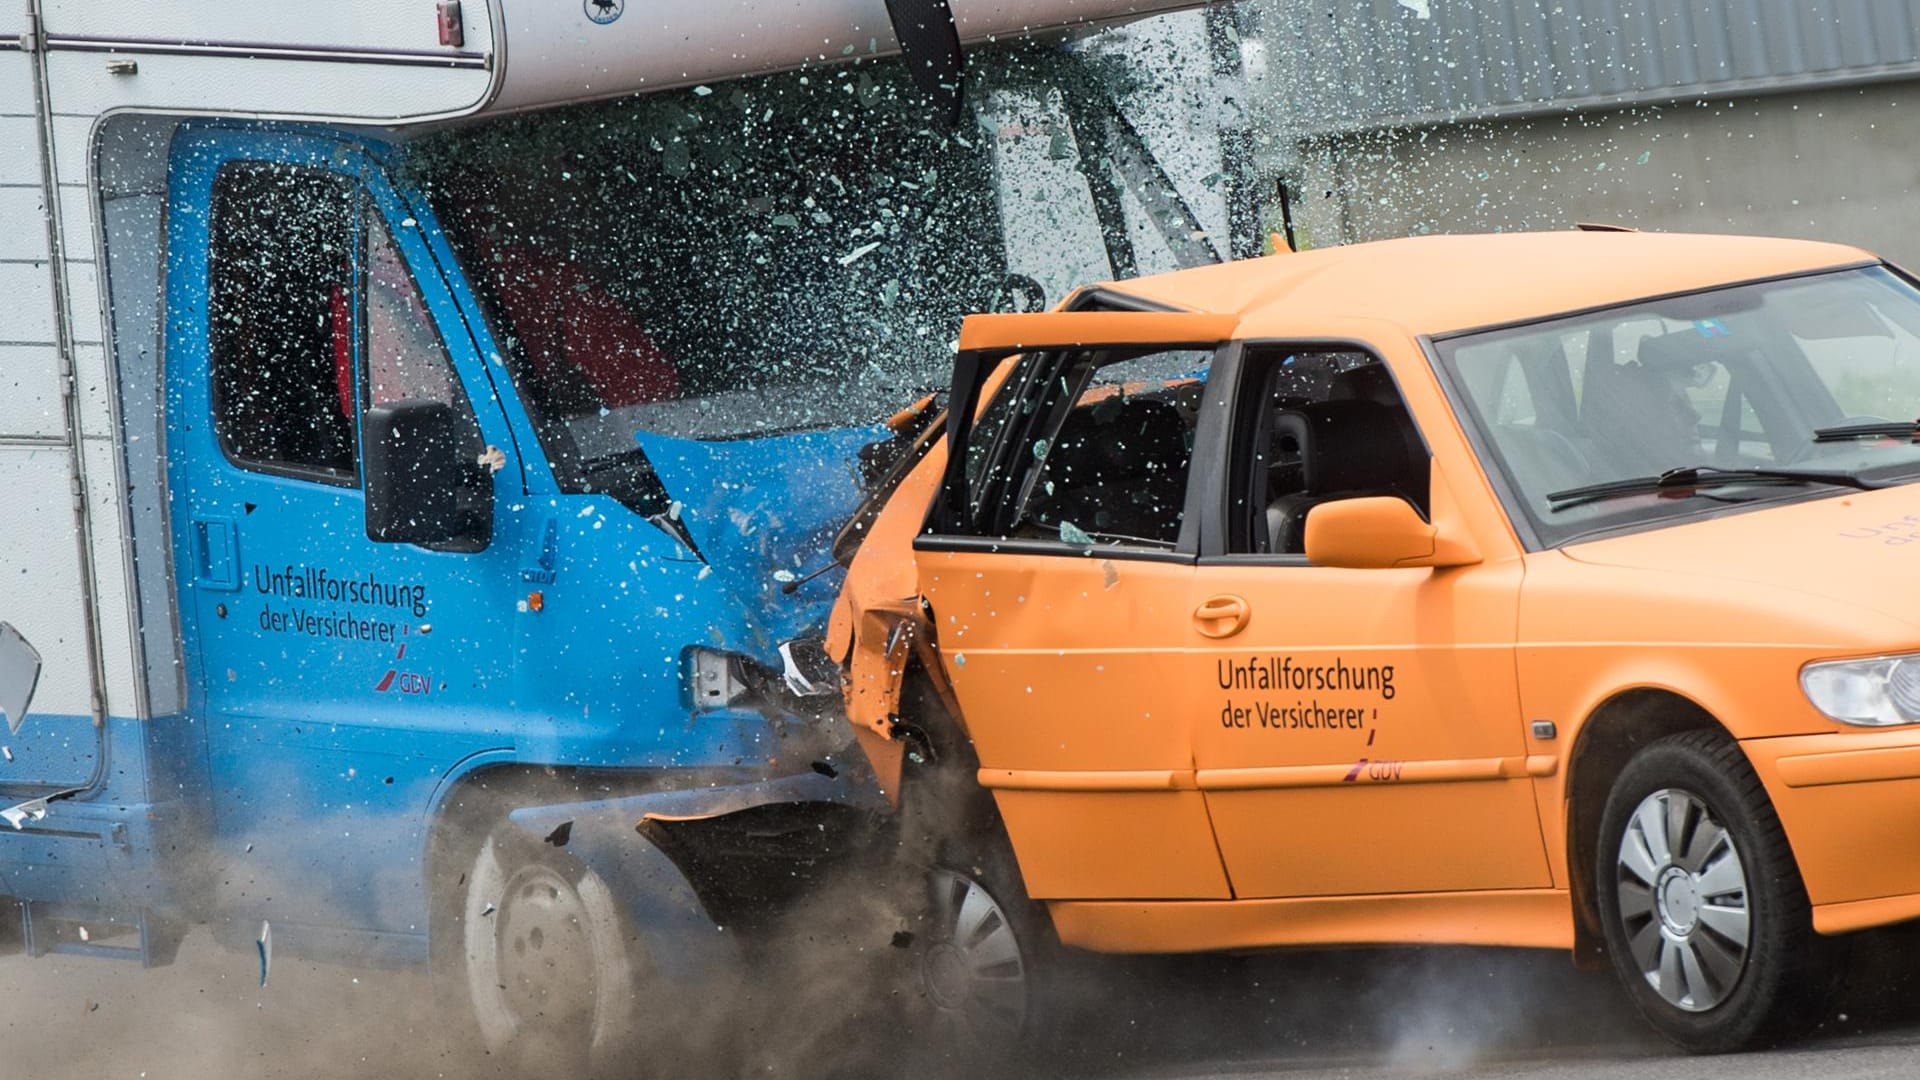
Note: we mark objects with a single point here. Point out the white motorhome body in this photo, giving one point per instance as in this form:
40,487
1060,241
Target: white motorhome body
119,576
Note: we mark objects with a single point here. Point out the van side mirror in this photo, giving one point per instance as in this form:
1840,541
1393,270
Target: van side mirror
423,485
1380,532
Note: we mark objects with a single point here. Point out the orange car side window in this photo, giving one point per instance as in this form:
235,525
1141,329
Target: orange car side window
1109,464
1086,447
1322,426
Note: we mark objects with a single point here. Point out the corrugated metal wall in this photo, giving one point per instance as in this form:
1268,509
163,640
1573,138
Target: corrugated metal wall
1344,64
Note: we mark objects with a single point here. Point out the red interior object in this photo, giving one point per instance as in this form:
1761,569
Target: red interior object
342,347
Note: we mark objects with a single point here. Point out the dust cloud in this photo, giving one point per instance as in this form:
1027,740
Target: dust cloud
827,988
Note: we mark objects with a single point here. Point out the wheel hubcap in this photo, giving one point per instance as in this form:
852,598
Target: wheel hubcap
546,960
972,969
1683,900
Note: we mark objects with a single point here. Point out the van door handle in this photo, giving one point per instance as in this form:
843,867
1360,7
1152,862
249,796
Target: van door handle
1222,616
216,554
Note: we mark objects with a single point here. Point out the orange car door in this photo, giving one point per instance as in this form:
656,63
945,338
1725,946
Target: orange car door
1057,566
1359,729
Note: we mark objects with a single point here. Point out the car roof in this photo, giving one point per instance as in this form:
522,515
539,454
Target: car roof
1437,284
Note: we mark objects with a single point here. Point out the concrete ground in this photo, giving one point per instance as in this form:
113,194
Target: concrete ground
1356,1014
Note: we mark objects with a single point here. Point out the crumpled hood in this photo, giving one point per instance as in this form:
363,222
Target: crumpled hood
764,511
1861,548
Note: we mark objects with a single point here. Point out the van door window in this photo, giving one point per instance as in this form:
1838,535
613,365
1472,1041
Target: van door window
281,320
405,359
1318,427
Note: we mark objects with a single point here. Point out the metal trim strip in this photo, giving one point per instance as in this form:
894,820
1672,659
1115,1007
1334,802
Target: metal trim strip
1537,918
262,51
1471,770
1085,780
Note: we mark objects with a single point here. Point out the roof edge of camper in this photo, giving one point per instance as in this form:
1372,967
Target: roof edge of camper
555,63
375,63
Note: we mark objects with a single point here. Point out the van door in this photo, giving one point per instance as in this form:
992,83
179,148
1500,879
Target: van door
335,678
1057,575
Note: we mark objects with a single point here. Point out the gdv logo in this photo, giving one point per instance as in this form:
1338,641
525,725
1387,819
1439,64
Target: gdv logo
403,682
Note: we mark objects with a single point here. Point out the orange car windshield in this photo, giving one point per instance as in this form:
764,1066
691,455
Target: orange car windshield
1817,374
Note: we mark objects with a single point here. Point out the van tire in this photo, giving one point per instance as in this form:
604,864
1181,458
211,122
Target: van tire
534,961
1673,919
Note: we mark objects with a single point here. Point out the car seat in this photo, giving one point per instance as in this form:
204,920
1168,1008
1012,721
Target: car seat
1636,416
1347,449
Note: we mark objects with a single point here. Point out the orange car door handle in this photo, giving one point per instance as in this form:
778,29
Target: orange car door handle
1222,616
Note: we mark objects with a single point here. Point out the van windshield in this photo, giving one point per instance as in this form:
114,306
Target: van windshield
796,251
1737,395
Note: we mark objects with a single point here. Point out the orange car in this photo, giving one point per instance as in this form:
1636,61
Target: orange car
1549,590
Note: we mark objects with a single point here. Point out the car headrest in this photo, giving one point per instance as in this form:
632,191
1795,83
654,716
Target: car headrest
1369,382
1353,446
1686,348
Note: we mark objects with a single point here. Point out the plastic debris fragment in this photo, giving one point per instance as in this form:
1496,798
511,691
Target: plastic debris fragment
265,945
859,253
19,673
561,833
31,810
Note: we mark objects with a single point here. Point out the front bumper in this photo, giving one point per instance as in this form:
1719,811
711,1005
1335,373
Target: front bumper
669,899
1850,804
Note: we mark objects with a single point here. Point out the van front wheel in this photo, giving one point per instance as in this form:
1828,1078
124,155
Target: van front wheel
541,953
1705,915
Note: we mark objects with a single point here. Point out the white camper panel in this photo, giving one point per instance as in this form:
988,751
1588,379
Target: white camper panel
553,52
40,589
383,61
378,61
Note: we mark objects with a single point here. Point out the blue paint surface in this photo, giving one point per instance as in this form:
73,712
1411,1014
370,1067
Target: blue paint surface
764,512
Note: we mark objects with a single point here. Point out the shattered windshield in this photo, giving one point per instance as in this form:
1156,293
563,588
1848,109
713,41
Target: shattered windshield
797,251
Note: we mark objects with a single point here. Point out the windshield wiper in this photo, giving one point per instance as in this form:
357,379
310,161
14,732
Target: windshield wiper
1701,476
1879,429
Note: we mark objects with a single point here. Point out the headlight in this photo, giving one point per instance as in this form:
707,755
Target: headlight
1877,692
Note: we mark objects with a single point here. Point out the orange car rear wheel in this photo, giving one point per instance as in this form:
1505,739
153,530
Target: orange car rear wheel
1705,915
984,953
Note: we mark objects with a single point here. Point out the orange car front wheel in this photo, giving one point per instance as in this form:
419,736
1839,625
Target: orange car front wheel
1705,915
